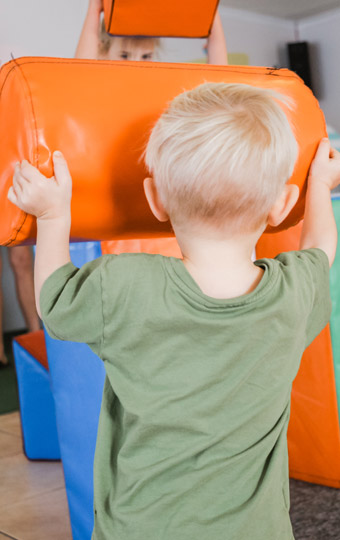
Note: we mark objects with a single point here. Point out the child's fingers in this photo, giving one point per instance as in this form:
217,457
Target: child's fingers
61,171
18,180
16,171
28,171
323,151
11,196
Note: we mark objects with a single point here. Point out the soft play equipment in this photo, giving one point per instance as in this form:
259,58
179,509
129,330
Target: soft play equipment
77,376
99,114
314,433
37,411
192,18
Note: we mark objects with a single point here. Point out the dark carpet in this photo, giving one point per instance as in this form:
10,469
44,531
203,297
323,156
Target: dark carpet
314,511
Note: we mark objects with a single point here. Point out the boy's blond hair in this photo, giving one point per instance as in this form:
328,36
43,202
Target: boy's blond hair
220,156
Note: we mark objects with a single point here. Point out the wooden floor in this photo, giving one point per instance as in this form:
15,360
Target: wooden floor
33,503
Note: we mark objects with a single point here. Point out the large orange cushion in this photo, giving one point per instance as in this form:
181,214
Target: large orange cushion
191,18
99,114
314,432
34,344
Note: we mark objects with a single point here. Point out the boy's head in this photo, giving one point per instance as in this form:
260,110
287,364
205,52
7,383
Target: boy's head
126,48
220,156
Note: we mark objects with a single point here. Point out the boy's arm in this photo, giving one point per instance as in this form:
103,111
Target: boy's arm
319,227
216,46
49,199
89,38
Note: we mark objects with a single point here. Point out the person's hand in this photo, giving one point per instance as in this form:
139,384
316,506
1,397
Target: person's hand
325,168
45,198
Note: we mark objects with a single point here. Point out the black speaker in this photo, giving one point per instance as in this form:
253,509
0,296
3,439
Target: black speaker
298,55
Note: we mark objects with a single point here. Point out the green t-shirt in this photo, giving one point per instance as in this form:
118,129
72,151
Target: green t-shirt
192,433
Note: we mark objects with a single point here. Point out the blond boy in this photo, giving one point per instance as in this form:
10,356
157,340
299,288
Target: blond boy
200,353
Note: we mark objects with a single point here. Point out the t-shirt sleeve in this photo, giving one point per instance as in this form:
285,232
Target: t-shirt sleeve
311,272
71,303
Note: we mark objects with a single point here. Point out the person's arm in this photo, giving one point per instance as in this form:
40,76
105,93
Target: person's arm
216,46
49,199
89,38
319,228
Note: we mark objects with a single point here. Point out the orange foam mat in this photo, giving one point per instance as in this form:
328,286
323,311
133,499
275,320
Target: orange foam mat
313,433
34,344
175,18
99,114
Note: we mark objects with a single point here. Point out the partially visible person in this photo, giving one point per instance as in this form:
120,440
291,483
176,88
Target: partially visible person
95,43
21,261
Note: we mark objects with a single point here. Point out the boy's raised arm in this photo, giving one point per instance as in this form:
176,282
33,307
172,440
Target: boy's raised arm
49,199
89,38
319,227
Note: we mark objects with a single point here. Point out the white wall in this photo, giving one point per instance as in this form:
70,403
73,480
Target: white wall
323,34
262,37
50,28
40,27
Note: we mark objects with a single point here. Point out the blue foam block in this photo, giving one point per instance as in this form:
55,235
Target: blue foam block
78,379
77,376
37,412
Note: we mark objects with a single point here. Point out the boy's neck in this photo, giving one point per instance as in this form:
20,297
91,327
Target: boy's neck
221,267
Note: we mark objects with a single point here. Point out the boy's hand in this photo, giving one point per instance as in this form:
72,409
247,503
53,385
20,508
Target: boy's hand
45,198
319,228
325,167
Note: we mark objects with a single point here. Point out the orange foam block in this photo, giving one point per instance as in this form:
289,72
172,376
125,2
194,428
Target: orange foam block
100,114
192,18
313,433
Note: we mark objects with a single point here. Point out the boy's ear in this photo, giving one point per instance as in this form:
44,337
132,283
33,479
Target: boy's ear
283,205
152,197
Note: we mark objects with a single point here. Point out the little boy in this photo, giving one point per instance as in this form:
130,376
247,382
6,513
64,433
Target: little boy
200,352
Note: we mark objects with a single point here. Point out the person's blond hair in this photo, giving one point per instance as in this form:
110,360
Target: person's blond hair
130,42
221,154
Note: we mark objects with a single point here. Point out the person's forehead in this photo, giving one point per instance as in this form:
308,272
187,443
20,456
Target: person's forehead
144,45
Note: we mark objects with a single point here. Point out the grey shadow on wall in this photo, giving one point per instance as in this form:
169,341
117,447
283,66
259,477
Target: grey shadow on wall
316,70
